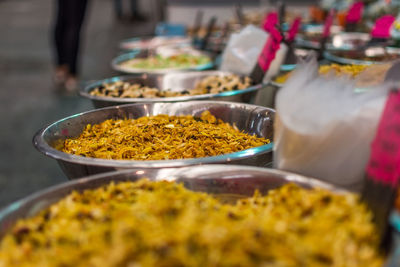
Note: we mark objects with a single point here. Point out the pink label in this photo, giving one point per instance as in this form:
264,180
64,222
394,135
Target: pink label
355,12
328,24
294,29
271,19
384,163
382,26
270,48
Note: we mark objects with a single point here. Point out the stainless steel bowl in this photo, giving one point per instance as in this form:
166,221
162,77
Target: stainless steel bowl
304,39
251,119
151,42
266,97
179,81
225,182
116,64
350,57
214,179
349,41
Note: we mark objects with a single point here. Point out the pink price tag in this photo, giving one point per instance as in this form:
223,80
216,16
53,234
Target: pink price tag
328,24
355,12
270,48
294,29
271,19
384,163
382,26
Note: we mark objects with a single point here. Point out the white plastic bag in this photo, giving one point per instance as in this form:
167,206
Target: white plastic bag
324,128
243,49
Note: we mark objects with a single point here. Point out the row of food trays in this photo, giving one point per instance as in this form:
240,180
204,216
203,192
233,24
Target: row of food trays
168,181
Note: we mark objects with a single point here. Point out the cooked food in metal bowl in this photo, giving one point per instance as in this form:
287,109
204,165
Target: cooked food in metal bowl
146,223
167,62
213,84
348,70
160,137
253,120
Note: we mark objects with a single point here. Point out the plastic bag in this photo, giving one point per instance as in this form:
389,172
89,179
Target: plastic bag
323,127
242,51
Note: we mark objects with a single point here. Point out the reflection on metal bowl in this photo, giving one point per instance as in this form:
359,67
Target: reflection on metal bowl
173,81
251,119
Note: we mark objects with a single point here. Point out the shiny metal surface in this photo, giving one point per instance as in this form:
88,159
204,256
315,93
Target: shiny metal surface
115,64
310,36
266,97
178,81
349,41
151,42
348,59
299,54
252,119
213,179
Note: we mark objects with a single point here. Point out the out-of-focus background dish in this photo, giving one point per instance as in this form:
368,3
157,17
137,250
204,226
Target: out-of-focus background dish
176,83
138,43
368,56
162,63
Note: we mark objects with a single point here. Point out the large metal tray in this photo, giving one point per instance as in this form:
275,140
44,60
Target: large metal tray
175,81
251,119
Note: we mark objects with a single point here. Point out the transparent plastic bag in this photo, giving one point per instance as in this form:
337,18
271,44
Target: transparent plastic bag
242,51
324,128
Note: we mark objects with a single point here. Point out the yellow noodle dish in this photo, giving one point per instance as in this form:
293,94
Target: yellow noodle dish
160,137
147,223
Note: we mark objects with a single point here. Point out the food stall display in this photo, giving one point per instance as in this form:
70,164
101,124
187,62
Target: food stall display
147,189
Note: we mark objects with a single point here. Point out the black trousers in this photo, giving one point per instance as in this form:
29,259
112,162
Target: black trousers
119,8
70,15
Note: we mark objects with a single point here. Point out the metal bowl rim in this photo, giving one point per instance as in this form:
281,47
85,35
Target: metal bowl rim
42,146
124,42
85,92
346,61
304,42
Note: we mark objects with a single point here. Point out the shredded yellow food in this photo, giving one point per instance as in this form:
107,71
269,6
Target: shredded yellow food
349,70
161,137
148,223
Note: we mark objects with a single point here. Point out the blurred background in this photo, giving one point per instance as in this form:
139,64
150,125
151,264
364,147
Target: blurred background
28,95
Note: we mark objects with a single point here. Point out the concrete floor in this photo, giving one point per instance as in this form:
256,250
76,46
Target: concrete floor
28,99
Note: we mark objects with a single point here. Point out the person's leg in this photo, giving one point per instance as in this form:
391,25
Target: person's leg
118,8
76,14
134,7
135,14
61,69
